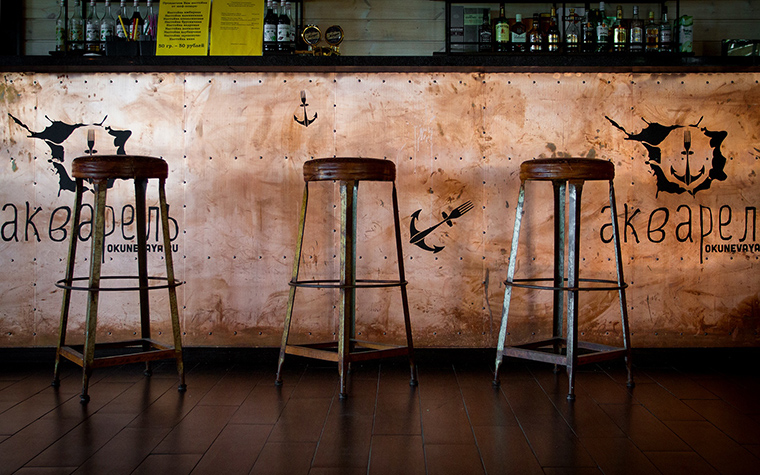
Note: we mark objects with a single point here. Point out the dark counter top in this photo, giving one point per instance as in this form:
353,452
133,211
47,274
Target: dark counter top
435,63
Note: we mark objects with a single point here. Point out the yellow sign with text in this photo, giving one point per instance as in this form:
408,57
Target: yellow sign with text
183,28
237,28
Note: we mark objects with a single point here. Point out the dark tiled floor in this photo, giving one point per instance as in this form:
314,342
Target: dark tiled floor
690,412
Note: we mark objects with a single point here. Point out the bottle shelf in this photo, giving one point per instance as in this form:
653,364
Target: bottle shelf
462,22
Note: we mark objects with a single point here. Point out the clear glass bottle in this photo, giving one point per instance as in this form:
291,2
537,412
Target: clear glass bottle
501,32
619,32
136,22
552,34
122,19
666,33
518,34
652,35
572,33
636,36
107,25
60,28
150,24
92,29
76,28
535,35
602,31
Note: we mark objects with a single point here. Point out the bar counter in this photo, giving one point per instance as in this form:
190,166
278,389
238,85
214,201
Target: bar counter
236,132
434,63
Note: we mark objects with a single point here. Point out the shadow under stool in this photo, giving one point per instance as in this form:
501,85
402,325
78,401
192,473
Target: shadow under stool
567,176
348,172
99,170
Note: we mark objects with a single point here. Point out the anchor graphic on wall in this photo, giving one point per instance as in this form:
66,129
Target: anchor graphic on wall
418,237
306,121
687,177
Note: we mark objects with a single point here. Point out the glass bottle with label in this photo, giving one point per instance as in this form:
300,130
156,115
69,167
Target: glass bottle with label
636,39
283,29
76,28
92,29
484,33
602,31
519,34
666,33
552,34
619,32
535,36
652,35
60,28
136,22
149,32
122,18
589,31
270,29
572,33
501,31
107,25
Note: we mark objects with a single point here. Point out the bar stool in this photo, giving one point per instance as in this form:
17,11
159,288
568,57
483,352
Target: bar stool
99,169
348,172
570,173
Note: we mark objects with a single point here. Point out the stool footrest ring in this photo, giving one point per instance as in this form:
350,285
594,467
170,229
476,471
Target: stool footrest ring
63,284
151,351
522,284
335,284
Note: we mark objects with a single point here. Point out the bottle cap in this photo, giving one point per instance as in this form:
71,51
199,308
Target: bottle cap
518,17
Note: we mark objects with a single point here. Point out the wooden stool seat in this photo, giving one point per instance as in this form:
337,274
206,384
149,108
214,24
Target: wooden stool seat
349,172
100,169
568,176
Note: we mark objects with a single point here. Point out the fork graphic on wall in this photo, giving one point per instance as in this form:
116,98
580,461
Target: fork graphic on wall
418,237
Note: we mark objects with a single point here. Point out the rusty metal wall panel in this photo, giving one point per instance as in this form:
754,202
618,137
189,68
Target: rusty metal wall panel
236,144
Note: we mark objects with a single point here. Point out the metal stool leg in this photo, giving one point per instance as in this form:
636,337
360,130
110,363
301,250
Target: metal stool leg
508,287
404,297
575,190
621,284
293,278
142,264
96,256
347,312
559,263
174,308
69,276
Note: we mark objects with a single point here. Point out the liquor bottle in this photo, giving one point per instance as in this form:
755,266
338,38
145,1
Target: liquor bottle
484,33
122,18
636,40
107,25
666,33
602,31
76,28
619,32
149,31
552,34
589,31
270,29
136,22
519,34
60,28
651,35
283,29
501,31
92,29
535,36
572,33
